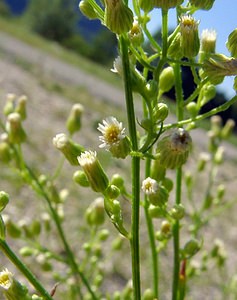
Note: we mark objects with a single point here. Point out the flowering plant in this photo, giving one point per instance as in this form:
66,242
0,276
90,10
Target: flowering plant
160,192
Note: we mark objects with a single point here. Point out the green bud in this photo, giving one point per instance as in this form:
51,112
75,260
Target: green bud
173,150
21,107
95,213
74,119
135,35
166,80
46,221
203,159
14,128
146,5
118,16
191,248
147,124
158,170
112,191
118,181
35,227
218,158
103,234
27,251
148,295
13,230
96,176
121,149
87,10
165,232
207,93
5,152
70,149
4,199
118,243
227,129
10,104
80,178
156,212
190,43
220,191
166,4
175,50
160,112
217,66
193,109
232,43
177,212
202,4
216,125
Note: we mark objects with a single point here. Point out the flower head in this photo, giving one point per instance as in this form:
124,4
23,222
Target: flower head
149,186
6,279
113,132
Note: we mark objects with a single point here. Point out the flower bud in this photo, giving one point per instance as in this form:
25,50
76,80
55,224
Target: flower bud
11,288
156,212
227,129
166,80
118,243
5,152
15,131
175,50
13,230
118,181
70,149
173,150
191,248
4,199
207,93
232,43
218,158
96,176
95,213
208,44
87,10
203,159
80,178
177,212
160,112
165,232
135,35
158,171
121,149
10,104
190,43
103,234
217,66
27,251
157,194
74,119
146,5
192,108
166,4
202,4
118,16
112,191
148,295
21,107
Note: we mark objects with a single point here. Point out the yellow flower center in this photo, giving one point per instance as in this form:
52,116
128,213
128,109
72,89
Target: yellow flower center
111,135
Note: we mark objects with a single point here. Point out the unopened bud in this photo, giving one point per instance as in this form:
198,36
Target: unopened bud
21,107
99,181
135,34
202,4
4,199
177,212
166,80
228,128
208,44
87,10
175,50
189,36
14,128
112,191
191,248
5,152
166,4
80,178
74,119
148,295
118,16
146,5
160,112
232,43
95,213
192,108
70,149
10,104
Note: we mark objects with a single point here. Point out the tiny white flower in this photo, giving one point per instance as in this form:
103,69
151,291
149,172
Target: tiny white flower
60,140
6,279
113,132
118,66
149,186
87,158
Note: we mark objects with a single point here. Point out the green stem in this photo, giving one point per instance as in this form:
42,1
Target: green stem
68,250
176,233
150,227
135,218
25,271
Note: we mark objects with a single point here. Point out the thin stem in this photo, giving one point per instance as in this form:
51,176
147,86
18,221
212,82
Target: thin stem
25,271
135,218
150,228
176,233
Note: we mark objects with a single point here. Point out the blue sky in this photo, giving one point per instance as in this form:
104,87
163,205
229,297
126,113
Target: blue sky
222,17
